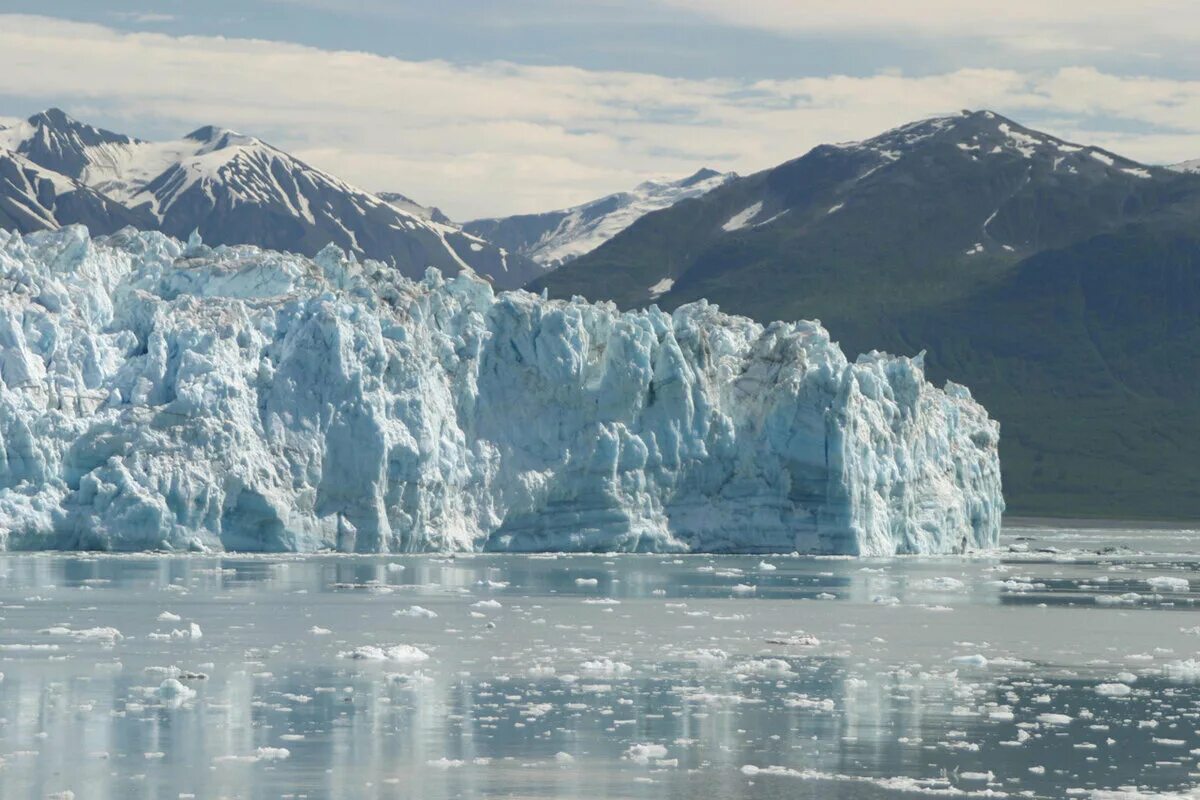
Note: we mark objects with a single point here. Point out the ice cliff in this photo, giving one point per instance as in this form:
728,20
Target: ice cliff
155,394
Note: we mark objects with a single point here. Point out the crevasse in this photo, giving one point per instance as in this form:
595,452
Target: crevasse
155,394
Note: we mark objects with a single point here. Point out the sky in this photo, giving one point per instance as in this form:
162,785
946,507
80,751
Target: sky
496,107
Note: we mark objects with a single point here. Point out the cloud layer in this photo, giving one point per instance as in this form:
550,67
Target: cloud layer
1080,25
501,138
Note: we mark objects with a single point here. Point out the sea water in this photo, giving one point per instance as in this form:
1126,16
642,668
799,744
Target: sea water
1063,665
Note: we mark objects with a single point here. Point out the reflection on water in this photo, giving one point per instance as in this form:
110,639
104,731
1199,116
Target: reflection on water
1059,668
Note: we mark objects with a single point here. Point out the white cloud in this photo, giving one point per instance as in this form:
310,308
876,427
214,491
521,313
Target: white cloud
503,138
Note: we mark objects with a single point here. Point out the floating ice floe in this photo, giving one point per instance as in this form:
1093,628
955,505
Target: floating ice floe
106,635
260,755
399,653
764,668
1054,719
645,753
174,692
1168,583
418,612
605,666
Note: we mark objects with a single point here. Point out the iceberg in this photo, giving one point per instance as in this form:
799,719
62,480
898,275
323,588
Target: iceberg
156,394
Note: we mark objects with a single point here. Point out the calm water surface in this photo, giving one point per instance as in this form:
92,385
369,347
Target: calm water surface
1063,666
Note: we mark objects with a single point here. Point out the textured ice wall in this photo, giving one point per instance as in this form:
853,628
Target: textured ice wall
161,395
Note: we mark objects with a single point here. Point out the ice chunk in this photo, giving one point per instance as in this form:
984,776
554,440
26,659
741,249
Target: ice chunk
1054,719
606,667
1168,583
106,635
400,653
261,754
644,753
765,667
419,612
175,693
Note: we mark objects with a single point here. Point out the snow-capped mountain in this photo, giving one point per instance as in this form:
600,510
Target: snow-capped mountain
1057,279
238,189
169,396
555,237
1192,165
964,188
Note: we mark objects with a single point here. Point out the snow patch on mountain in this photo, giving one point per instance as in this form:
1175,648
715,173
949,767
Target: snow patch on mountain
161,395
742,218
1186,166
661,288
556,237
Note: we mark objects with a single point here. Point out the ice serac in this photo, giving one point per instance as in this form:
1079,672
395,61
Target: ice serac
155,394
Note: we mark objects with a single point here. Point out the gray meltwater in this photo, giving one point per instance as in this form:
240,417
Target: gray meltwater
1063,666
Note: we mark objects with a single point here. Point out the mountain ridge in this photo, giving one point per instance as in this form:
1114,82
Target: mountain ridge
238,189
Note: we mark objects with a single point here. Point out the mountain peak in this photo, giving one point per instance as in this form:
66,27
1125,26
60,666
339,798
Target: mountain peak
207,133
55,141
702,174
217,138
53,117
59,123
985,134
695,180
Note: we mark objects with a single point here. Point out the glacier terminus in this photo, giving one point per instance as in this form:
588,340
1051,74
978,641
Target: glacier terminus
156,394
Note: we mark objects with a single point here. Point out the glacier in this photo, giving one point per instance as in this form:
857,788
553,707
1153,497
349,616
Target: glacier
156,394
